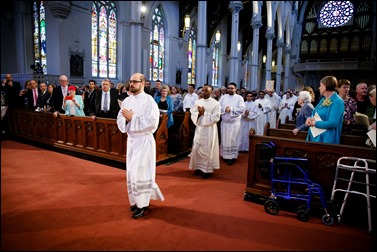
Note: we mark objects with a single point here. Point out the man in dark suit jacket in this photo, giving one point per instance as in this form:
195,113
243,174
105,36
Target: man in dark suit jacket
88,95
59,93
31,104
11,90
43,95
98,106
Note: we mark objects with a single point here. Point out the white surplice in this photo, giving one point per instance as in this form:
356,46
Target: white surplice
286,111
275,102
204,154
231,125
247,122
262,118
141,148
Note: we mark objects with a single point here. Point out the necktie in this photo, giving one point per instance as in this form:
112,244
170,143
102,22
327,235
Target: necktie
105,108
35,97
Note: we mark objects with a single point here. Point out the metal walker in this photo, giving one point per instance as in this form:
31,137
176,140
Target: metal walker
347,173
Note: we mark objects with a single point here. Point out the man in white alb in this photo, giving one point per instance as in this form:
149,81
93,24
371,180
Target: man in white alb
139,117
205,114
264,108
232,107
274,99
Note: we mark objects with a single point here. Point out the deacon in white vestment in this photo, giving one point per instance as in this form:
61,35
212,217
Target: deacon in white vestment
264,107
247,121
286,106
205,114
139,117
275,99
232,107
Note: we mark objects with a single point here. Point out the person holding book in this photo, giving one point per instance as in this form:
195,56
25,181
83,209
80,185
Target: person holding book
326,122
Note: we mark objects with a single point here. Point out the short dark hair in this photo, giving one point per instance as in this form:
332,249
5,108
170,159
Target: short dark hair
232,83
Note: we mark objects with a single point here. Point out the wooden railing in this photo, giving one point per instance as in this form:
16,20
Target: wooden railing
80,134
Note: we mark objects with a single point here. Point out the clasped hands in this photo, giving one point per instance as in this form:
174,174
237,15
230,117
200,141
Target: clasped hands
310,121
201,110
127,114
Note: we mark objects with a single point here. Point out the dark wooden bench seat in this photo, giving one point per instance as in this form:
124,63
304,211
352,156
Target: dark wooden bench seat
287,133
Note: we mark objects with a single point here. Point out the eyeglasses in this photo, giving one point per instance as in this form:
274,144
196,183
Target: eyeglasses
135,81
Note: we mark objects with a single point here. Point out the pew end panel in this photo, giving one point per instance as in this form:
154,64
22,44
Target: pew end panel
161,135
179,134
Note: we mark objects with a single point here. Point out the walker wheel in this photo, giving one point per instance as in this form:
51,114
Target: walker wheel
271,207
303,215
327,220
303,207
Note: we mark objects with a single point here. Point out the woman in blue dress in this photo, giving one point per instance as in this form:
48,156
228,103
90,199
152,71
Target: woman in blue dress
330,110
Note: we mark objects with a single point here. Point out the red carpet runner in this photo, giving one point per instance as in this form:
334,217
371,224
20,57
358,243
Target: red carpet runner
51,201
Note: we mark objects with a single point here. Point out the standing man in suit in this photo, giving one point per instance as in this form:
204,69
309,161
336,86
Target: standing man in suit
88,95
33,95
105,102
59,93
44,95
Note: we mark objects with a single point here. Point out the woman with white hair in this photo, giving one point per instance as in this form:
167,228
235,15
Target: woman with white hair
304,100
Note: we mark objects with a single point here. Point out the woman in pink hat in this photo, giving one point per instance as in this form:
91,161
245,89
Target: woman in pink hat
72,103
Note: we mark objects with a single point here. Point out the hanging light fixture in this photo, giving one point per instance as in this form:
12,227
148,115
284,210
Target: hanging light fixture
143,9
264,58
187,22
238,46
218,36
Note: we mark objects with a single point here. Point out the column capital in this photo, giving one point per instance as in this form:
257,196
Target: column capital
280,43
256,24
270,35
287,49
59,9
235,6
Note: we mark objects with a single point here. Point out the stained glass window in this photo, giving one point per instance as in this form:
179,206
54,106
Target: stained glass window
39,36
215,65
104,44
336,13
191,57
157,46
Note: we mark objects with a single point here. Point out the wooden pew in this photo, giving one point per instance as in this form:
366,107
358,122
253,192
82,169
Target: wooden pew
322,161
355,129
281,125
287,133
100,139
179,133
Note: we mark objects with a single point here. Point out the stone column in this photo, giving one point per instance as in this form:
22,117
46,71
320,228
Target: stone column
136,25
235,7
269,36
286,66
256,24
201,47
279,44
